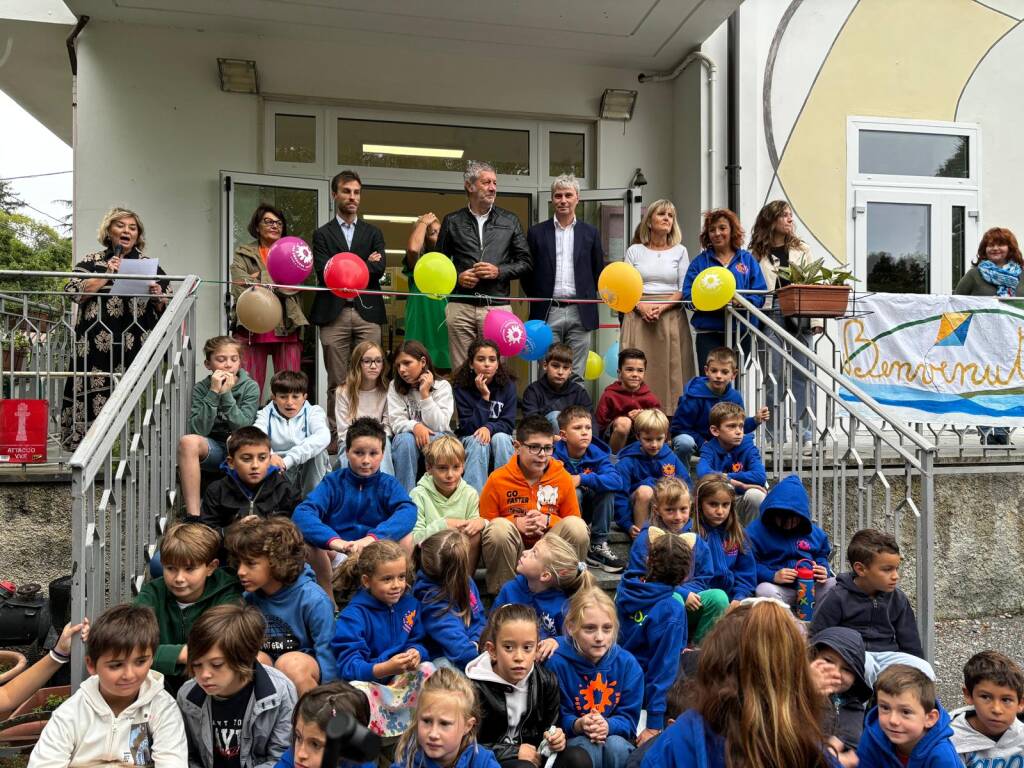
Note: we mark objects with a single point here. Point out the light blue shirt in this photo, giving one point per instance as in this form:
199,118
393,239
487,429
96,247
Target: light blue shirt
349,230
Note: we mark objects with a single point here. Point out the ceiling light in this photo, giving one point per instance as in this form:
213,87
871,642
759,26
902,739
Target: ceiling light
238,76
394,251
394,219
617,104
391,149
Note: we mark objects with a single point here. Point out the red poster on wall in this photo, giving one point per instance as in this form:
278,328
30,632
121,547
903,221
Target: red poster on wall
23,431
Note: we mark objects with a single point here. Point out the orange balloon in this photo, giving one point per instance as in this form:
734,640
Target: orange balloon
620,286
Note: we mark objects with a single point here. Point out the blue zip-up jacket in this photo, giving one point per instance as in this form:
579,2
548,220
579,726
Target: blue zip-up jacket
299,617
652,626
774,548
549,604
636,468
445,633
613,687
474,756
497,414
701,571
694,409
288,761
934,750
347,506
368,632
749,277
688,743
741,463
734,570
595,467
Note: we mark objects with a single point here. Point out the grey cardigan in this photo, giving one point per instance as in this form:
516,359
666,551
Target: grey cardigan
266,727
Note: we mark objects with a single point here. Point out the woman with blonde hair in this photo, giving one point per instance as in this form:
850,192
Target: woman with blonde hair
109,329
658,325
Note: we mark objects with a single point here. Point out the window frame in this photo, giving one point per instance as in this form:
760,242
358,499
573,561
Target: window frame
277,167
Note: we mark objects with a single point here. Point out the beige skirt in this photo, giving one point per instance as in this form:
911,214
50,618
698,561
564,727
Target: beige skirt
669,351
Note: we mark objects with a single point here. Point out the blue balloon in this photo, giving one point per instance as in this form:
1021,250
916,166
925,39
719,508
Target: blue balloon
538,339
611,360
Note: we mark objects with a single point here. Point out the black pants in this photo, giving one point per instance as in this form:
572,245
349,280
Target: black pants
571,757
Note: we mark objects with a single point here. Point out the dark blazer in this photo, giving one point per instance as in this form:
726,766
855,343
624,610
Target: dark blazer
588,259
329,240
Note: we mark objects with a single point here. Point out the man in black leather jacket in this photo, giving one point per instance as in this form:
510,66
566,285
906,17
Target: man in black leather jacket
488,247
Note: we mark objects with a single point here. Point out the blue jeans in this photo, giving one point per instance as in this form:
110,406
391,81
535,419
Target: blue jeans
387,464
217,453
684,446
597,510
612,754
405,456
479,457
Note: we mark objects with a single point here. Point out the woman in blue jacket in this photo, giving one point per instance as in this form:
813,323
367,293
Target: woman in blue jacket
721,237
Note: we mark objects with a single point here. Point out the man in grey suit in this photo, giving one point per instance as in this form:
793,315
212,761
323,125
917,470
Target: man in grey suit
345,323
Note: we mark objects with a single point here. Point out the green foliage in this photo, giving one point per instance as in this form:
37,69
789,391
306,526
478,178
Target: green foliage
52,702
815,273
27,245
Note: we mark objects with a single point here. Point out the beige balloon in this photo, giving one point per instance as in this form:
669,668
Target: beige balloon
258,309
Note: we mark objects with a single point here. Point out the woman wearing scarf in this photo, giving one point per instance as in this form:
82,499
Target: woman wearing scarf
996,272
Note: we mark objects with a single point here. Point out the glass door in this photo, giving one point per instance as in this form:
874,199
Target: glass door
306,204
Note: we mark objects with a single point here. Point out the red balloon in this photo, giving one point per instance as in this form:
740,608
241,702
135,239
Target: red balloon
345,274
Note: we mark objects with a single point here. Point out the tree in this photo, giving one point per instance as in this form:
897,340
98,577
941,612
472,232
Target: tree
28,245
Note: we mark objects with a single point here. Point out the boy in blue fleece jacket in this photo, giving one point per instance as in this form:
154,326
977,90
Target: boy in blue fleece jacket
784,535
908,727
690,425
733,454
588,462
357,505
652,616
641,465
269,555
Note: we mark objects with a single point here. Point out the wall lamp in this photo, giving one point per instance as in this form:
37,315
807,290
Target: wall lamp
238,76
617,104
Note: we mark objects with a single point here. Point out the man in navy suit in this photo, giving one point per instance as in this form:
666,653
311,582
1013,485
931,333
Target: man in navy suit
567,258
345,323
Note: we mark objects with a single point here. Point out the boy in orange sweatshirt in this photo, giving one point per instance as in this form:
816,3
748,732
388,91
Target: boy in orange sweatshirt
529,496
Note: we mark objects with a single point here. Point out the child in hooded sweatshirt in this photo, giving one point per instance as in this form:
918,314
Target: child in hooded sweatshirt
842,650
783,536
734,455
450,607
270,558
519,698
485,400
556,389
690,427
652,616
444,500
378,638
623,399
314,710
987,732
588,462
640,466
547,575
670,514
733,569
298,431
908,727
602,685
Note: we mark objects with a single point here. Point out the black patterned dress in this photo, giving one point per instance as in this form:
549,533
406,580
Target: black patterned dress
109,332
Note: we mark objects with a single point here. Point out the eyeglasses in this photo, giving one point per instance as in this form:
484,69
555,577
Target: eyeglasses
534,449
272,223
373,361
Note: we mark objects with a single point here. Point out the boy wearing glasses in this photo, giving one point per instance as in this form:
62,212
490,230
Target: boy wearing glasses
523,500
298,432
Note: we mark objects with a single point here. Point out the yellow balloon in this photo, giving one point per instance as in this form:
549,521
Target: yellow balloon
713,289
258,309
435,275
620,286
595,365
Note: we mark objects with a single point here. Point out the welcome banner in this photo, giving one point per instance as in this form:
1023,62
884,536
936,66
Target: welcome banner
939,359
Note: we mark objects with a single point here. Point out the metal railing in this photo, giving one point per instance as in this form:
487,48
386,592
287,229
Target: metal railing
123,473
865,469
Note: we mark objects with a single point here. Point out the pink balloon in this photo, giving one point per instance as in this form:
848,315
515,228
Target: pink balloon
289,261
506,330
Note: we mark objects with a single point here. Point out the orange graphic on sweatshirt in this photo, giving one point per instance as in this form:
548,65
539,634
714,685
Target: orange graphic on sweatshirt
668,469
737,467
407,621
597,695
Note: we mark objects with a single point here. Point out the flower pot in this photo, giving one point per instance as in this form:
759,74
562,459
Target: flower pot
16,661
28,733
813,300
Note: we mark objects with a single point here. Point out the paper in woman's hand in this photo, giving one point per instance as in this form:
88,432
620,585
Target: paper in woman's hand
134,267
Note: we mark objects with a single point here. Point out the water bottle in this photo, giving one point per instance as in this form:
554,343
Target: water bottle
805,589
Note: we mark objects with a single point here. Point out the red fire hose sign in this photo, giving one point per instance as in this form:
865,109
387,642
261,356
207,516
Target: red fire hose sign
23,431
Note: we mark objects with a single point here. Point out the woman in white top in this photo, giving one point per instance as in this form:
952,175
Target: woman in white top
657,325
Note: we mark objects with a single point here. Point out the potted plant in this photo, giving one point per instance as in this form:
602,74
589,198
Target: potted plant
28,720
11,665
814,290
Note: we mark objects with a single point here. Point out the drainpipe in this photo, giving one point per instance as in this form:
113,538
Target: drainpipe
709,65
73,59
732,164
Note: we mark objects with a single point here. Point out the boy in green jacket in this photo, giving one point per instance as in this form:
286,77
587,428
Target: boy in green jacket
444,500
191,583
